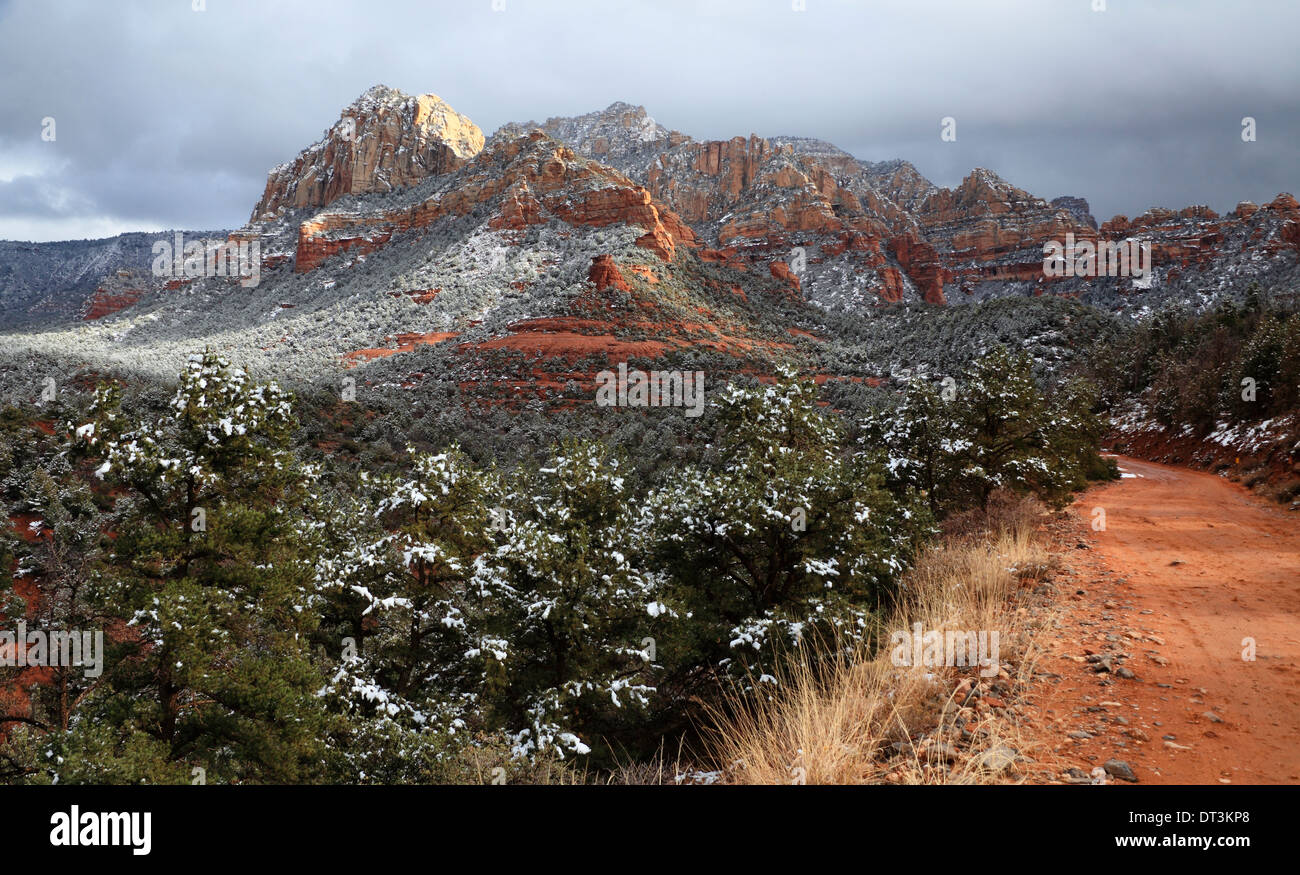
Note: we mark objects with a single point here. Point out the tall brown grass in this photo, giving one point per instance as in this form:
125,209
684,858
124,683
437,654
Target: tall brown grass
854,717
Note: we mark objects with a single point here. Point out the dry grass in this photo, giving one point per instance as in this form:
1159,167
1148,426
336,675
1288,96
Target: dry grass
861,719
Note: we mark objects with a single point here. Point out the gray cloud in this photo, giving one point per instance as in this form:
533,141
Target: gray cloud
170,118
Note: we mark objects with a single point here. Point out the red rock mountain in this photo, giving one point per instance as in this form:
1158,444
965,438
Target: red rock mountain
384,141
850,233
529,180
880,232
521,265
526,266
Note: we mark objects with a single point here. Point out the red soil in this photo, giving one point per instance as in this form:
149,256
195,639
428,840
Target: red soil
405,343
1187,567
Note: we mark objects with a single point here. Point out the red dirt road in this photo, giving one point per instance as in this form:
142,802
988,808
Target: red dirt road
1187,566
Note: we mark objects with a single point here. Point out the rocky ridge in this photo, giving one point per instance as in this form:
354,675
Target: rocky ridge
865,233
586,238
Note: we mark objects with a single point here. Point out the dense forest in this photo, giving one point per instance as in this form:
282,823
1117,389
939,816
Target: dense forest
1239,360
296,589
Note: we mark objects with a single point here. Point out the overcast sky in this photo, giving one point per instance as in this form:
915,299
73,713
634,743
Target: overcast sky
170,118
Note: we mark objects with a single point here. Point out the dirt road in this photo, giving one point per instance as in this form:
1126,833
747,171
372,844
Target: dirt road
1188,572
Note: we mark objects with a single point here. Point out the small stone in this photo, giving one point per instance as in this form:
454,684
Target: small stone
1077,776
1120,769
999,759
943,752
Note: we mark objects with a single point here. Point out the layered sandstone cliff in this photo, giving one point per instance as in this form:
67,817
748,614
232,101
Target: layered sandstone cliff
522,181
383,141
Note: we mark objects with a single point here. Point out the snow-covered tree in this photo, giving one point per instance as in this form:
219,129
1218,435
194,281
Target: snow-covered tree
999,431
920,439
212,576
397,577
474,608
789,535
59,557
569,604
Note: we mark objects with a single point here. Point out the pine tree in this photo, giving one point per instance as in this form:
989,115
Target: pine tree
397,574
998,432
786,536
1002,421
1073,437
62,556
53,560
212,575
569,605
477,611
1271,358
921,441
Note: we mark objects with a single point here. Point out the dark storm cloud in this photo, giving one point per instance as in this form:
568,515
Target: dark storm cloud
167,117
